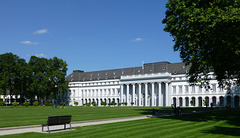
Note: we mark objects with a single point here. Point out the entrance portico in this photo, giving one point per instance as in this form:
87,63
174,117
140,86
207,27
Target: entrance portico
145,90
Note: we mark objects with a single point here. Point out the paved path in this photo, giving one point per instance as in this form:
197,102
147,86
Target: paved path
38,128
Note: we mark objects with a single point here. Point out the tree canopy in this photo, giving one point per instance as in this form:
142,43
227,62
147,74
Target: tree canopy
40,77
207,34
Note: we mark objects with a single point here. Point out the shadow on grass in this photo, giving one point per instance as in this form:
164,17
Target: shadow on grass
224,130
232,117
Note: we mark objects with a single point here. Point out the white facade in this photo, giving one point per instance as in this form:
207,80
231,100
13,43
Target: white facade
154,89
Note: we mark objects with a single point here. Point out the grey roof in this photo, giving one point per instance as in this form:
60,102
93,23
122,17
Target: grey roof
157,67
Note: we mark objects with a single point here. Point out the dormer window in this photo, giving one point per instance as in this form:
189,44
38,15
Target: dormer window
163,68
175,72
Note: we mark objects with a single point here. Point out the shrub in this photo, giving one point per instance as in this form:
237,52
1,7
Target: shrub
87,104
119,104
192,102
26,104
2,103
125,103
132,103
62,103
15,104
94,103
35,103
48,103
76,103
103,103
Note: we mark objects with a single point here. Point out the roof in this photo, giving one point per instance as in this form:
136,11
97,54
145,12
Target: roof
148,68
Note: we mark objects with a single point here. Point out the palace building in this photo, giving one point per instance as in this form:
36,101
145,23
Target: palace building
153,84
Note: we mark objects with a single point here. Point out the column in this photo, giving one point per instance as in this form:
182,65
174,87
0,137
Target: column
224,101
152,94
184,102
121,93
146,94
133,94
139,93
210,100
197,102
167,94
127,95
217,101
159,94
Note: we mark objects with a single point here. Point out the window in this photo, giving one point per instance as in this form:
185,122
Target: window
73,92
193,89
186,88
221,89
180,89
200,89
214,87
174,89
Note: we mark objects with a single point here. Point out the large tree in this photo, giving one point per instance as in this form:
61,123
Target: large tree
12,74
207,34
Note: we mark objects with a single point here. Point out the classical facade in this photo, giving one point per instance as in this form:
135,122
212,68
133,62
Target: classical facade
153,84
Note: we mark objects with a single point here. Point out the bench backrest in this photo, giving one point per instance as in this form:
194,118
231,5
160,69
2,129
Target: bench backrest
58,120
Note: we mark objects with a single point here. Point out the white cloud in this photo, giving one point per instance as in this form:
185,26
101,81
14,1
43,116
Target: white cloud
137,39
40,55
42,31
29,43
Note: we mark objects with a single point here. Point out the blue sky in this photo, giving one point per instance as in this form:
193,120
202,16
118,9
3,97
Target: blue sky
89,35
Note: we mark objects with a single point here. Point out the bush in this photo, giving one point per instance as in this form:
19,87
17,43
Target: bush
62,103
48,103
35,103
2,103
94,103
103,103
76,103
26,104
119,104
87,104
125,103
15,104
132,103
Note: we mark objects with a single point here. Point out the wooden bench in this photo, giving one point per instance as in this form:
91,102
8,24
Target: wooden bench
58,120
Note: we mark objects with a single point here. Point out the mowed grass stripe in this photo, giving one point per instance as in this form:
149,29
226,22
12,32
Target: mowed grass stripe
136,129
117,127
177,130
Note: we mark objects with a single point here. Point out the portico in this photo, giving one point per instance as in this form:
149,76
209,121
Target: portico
145,90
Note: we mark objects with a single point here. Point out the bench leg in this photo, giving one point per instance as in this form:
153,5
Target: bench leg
70,126
42,128
64,126
48,129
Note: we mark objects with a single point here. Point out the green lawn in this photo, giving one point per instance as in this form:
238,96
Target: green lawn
207,124
22,116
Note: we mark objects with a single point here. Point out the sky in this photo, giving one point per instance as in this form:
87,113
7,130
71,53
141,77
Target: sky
90,35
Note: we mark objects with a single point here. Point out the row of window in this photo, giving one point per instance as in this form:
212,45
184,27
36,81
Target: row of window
96,83
185,89
97,92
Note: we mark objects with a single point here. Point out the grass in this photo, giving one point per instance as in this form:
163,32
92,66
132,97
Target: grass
207,124
23,116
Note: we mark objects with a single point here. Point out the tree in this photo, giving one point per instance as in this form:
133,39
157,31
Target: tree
12,75
206,32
